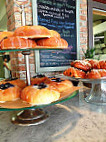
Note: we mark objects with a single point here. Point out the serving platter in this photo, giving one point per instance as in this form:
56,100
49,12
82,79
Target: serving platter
34,115
31,49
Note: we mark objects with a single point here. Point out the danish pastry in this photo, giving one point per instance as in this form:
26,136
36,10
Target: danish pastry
102,64
40,94
39,78
73,72
15,81
96,74
81,64
61,84
9,92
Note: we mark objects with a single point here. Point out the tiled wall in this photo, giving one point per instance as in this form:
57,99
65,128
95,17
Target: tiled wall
14,21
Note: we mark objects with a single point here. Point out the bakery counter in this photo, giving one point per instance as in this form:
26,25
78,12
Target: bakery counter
71,121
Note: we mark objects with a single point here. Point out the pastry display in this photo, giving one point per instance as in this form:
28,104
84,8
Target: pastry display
60,84
40,94
17,43
32,32
52,42
88,68
9,92
74,72
43,90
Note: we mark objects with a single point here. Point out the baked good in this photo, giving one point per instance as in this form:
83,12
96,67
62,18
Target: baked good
96,74
32,32
15,81
39,78
9,92
73,72
40,94
52,42
102,64
60,84
94,63
54,33
5,34
17,43
102,72
81,64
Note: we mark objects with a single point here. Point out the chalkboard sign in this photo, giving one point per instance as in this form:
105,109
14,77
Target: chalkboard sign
59,15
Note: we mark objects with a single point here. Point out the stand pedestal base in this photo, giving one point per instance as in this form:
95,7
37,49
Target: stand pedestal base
30,117
97,94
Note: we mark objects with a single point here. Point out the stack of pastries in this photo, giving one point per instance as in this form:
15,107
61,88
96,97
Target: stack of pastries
90,69
43,89
31,37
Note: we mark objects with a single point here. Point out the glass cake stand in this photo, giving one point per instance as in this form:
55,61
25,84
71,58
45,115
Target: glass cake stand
33,115
98,89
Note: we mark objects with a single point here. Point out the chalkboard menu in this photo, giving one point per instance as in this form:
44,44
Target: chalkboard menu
59,15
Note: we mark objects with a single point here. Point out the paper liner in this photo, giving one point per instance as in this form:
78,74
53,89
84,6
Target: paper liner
22,104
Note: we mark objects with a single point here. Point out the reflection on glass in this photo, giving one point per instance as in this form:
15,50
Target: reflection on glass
99,31
5,65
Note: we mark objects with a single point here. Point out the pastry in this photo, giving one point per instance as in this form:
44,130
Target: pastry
52,42
9,92
96,74
61,84
102,64
15,81
40,94
81,64
94,63
32,32
5,34
39,78
17,43
54,33
73,72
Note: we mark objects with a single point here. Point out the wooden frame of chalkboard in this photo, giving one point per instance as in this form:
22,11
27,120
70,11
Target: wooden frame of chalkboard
57,14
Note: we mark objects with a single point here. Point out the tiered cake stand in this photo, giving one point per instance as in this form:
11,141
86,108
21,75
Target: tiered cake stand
33,115
98,89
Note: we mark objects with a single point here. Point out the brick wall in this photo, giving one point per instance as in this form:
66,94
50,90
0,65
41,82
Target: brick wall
83,27
14,21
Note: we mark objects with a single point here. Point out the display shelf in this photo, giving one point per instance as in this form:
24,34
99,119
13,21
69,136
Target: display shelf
32,49
32,115
75,93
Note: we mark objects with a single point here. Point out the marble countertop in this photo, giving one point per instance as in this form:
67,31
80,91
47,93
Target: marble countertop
71,121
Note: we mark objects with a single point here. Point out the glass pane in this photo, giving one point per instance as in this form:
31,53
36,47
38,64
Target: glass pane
99,33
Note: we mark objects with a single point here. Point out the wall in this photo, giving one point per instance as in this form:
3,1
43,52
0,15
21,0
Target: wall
3,16
14,21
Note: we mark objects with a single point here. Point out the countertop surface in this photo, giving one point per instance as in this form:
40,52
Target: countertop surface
71,121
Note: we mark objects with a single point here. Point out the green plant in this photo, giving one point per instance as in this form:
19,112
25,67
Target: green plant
90,52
